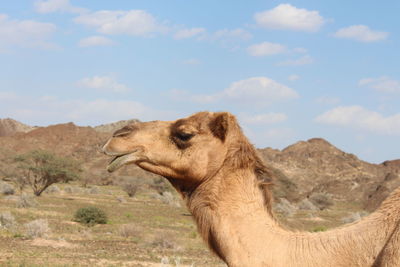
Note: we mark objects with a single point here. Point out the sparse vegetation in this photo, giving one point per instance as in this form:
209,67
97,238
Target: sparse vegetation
129,230
130,187
26,201
41,169
90,216
37,228
7,221
285,207
53,189
319,229
321,200
6,189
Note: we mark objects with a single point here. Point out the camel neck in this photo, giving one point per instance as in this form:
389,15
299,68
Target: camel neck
228,207
230,212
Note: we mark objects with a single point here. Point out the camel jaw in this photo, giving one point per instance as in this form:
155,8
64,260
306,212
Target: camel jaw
122,160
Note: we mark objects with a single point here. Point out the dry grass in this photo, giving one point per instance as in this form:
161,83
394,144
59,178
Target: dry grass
140,231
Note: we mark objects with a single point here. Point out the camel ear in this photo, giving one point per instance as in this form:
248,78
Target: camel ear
219,125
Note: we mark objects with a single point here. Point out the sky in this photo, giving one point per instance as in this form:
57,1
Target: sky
289,71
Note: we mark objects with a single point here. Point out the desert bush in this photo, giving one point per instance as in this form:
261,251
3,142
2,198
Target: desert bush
90,216
321,200
7,220
26,201
72,190
167,198
285,207
319,229
6,189
160,185
121,199
130,187
128,230
42,169
306,204
164,241
353,217
53,189
37,228
94,190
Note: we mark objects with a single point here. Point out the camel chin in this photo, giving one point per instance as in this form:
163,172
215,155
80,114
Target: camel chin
122,160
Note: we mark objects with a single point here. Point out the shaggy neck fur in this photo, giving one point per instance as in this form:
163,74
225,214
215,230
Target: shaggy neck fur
233,212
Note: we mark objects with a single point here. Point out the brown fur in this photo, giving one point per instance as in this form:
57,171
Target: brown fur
227,188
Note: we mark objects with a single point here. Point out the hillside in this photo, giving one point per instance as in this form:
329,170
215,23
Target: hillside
318,166
10,127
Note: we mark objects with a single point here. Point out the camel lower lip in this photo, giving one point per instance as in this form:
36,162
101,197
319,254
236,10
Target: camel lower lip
120,161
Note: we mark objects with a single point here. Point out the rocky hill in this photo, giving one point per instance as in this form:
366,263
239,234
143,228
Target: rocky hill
302,169
318,166
112,127
10,127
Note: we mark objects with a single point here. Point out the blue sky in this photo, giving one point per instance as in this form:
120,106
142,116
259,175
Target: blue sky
289,71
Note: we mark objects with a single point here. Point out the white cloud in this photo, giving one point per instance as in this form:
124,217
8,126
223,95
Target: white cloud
256,90
361,33
266,49
233,34
24,33
50,6
95,41
363,119
293,77
304,60
382,84
132,22
189,33
103,83
288,17
260,119
259,89
49,110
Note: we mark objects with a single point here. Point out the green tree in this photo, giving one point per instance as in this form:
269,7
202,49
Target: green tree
41,169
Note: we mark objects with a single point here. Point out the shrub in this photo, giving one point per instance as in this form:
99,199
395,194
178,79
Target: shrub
285,207
72,190
321,200
94,190
130,187
306,204
7,220
168,198
121,199
6,189
25,201
319,229
90,216
52,189
37,228
128,230
164,241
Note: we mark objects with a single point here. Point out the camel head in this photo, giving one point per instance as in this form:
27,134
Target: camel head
189,149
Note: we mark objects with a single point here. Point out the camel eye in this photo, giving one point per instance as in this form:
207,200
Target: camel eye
184,136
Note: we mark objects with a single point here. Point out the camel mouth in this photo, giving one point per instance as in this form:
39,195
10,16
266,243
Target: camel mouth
121,160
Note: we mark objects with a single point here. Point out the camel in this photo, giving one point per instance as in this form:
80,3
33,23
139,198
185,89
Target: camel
227,188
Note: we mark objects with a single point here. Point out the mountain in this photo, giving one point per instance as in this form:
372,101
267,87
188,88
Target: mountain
318,166
9,127
112,127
